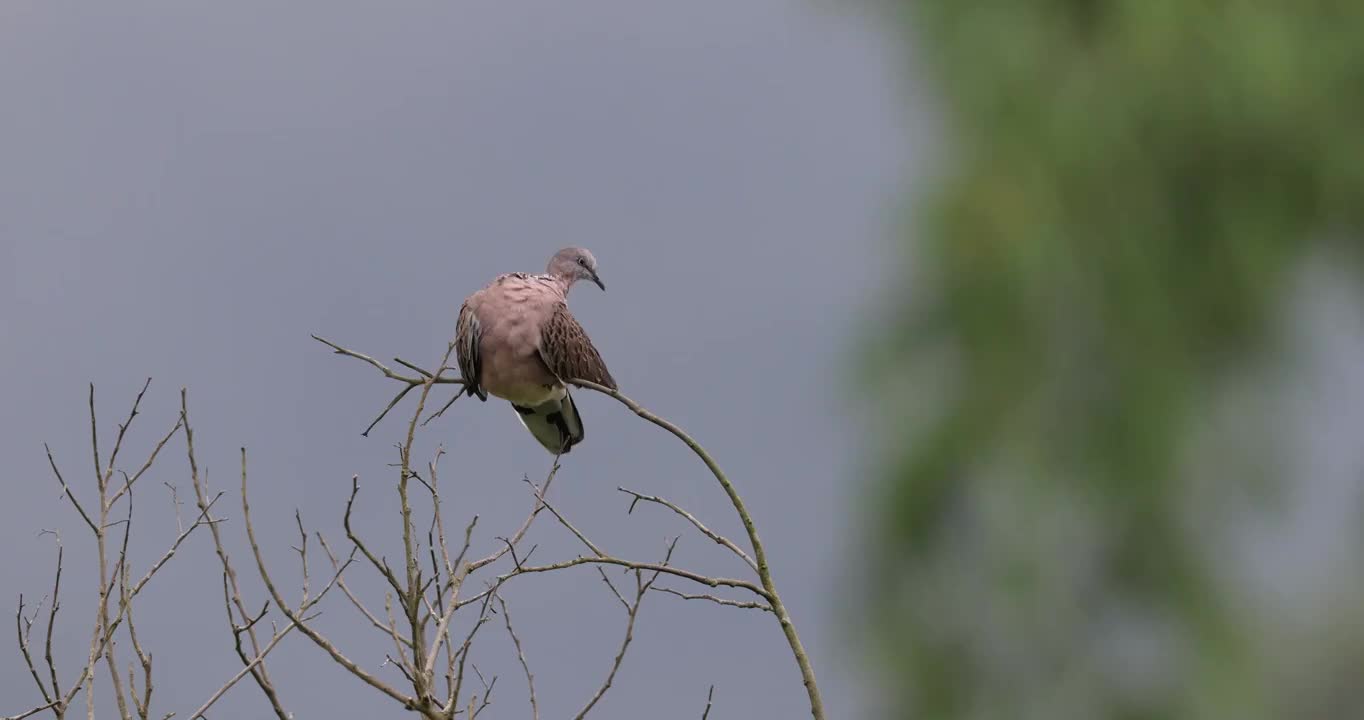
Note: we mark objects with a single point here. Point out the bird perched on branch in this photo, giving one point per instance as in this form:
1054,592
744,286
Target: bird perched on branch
516,340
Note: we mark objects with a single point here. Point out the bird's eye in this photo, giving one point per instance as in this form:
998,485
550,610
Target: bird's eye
582,261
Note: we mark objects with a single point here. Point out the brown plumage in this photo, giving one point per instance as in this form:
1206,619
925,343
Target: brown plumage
569,353
515,339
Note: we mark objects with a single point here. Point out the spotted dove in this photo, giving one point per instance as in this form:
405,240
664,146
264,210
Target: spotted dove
516,340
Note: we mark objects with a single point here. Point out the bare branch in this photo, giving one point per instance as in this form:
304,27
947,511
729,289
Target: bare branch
720,539
252,664
539,505
341,582
435,535
313,635
106,579
463,654
151,458
302,550
563,521
67,489
23,628
614,591
144,659
355,540
33,712
256,667
94,441
442,626
609,560
248,668
52,619
759,553
387,371
391,403
422,668
419,596
521,655
641,589
442,410
122,429
468,536
426,375
718,600
398,641
487,694
179,539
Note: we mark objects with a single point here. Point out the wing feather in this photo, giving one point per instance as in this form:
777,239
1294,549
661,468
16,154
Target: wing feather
568,352
467,336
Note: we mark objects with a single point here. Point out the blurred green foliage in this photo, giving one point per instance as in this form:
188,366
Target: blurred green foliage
1126,190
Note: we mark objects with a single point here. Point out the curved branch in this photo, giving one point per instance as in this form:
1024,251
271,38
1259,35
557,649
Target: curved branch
807,671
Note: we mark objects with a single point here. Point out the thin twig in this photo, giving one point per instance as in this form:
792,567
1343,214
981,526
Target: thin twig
52,618
33,712
384,368
106,578
463,653
718,600
443,408
425,375
520,655
364,550
248,668
143,704
399,641
396,399
67,489
123,428
313,635
179,539
23,628
444,623
614,591
259,673
541,492
487,694
641,589
253,663
609,560
302,551
341,583
423,669
563,521
127,486
719,539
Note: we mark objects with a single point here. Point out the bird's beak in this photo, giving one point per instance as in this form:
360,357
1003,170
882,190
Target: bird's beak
598,281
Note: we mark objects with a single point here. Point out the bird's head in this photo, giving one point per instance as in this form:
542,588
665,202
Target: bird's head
573,264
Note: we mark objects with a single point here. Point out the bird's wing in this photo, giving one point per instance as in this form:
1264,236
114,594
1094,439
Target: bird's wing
567,351
467,335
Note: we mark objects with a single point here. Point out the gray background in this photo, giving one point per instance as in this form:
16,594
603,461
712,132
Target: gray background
187,190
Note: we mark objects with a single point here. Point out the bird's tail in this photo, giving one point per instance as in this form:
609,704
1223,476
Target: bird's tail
555,424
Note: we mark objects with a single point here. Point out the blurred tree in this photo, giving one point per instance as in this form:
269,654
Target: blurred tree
1128,188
